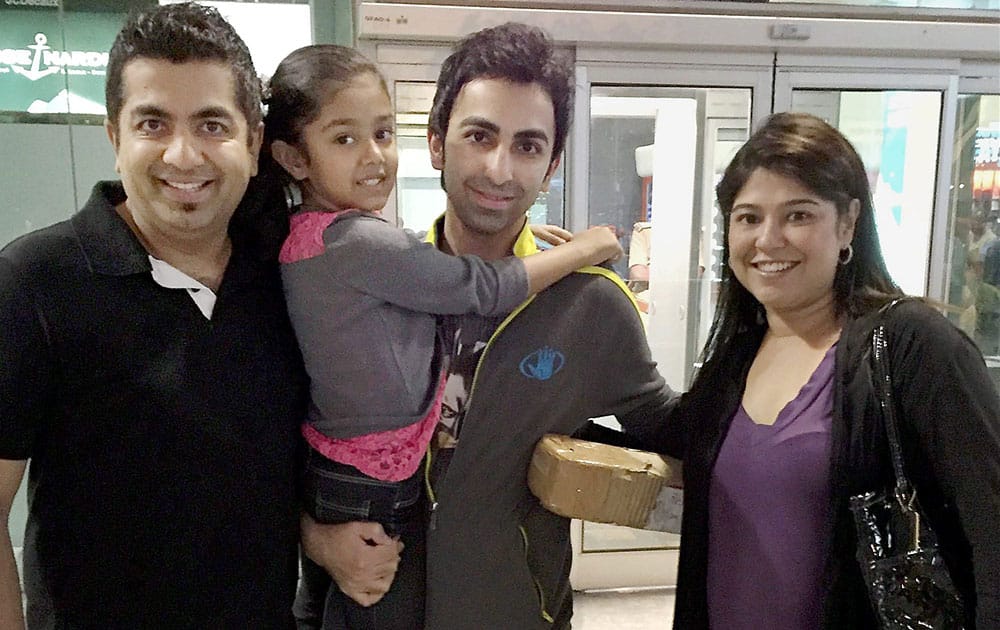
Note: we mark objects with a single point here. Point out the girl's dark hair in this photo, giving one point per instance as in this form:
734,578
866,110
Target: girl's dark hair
302,83
806,149
294,97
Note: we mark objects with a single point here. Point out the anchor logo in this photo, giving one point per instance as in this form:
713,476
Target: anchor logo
36,73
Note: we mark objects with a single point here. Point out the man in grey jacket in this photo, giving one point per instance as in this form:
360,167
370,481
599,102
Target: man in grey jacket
495,558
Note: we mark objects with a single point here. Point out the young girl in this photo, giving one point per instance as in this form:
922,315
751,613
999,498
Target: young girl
362,296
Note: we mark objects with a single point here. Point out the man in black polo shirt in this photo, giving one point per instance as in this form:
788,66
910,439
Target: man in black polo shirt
149,372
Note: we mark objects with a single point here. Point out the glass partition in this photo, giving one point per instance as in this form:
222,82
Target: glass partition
656,154
52,66
624,192
973,264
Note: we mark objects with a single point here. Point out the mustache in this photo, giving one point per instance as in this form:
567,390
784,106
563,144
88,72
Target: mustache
373,172
485,186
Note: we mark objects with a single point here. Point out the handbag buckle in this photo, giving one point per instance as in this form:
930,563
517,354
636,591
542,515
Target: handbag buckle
907,501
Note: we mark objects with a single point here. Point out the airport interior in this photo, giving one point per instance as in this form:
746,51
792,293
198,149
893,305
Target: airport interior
666,91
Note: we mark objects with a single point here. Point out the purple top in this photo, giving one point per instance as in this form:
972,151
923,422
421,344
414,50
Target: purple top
767,538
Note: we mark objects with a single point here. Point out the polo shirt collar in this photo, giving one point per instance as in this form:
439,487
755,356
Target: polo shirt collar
108,244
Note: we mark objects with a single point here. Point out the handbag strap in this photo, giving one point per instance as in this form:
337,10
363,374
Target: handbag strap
882,383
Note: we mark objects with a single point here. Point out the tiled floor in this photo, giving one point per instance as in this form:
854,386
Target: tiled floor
623,610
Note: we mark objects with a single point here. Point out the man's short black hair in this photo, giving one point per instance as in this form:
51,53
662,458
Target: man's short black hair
181,33
511,52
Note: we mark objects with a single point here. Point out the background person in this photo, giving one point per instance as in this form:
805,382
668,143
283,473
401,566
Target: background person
987,304
980,235
781,425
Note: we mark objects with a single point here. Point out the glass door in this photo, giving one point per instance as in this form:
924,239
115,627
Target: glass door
419,198
895,123
648,148
972,269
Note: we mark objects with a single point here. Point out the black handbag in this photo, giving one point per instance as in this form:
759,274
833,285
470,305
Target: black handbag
908,583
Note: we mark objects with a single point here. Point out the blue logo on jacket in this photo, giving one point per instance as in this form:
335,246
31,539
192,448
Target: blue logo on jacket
542,364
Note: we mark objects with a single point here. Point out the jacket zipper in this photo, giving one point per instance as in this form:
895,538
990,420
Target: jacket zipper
430,490
431,496
538,585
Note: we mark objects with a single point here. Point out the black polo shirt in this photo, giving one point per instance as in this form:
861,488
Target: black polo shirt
162,445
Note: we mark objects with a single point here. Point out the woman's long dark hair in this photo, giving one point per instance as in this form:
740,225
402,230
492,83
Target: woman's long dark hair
806,149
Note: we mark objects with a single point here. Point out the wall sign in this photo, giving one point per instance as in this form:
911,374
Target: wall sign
52,65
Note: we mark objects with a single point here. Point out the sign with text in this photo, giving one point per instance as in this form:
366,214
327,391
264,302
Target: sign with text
52,65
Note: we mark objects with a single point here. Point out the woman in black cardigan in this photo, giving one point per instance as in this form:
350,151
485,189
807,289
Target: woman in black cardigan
781,425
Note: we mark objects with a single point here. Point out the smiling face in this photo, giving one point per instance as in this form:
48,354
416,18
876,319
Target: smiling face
348,158
497,155
784,242
182,147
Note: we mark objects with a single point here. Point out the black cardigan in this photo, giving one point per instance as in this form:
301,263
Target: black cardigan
950,417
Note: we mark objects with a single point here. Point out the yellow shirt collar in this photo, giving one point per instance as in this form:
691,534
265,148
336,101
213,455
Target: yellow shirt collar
525,245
